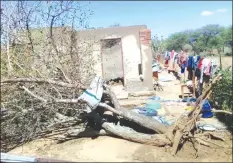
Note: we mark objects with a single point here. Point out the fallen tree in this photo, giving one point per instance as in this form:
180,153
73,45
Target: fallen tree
121,122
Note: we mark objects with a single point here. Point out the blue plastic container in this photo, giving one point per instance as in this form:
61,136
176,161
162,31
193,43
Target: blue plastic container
207,114
152,104
206,106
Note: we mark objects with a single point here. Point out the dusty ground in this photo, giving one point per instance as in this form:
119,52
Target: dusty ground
110,149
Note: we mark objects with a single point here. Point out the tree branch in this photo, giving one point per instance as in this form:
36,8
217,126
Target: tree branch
33,95
112,96
63,73
87,132
68,101
221,111
142,120
40,80
129,134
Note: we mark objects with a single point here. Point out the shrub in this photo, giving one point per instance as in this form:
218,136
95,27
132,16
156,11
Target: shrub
222,97
222,91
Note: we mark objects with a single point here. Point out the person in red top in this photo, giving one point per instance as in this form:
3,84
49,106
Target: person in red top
200,63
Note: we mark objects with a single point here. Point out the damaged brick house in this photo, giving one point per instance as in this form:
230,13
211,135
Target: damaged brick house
119,52
123,52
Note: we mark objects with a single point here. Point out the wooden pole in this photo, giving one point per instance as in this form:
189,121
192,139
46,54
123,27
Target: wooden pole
194,85
184,77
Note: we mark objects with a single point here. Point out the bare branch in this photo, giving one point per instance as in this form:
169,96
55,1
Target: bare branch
221,111
33,95
63,73
68,101
39,80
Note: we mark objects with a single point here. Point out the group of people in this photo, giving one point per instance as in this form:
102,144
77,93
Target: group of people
199,69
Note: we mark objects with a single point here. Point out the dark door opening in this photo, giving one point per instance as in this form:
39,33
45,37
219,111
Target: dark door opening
112,60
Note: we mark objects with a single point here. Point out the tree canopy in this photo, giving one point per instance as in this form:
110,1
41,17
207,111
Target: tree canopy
209,37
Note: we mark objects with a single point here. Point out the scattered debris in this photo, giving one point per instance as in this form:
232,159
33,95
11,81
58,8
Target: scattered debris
142,125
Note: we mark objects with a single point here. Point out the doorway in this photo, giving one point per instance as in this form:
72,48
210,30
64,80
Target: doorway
112,60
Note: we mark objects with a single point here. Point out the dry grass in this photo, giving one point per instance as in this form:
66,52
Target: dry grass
226,61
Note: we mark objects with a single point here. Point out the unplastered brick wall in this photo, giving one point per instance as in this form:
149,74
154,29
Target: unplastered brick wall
146,58
145,37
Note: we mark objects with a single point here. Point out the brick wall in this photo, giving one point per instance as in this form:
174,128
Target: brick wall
145,36
146,58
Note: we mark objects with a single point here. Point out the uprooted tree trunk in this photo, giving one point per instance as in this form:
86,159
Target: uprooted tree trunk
122,122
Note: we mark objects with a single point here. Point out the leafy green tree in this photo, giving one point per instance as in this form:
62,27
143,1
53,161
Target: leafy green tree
195,42
176,41
227,36
187,47
209,34
203,39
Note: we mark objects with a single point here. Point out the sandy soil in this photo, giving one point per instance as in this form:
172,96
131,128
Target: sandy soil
110,149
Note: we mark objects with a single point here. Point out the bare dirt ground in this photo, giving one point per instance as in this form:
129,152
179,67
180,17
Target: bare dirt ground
109,149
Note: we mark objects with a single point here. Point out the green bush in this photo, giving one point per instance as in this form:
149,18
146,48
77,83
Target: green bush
222,91
222,98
